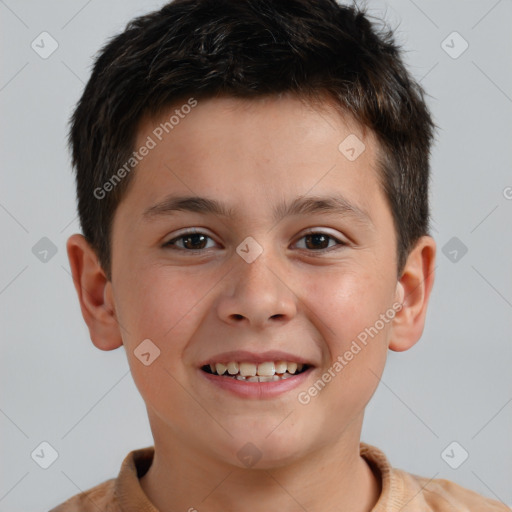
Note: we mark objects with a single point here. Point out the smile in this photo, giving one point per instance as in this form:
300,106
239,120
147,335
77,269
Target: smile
256,381
269,371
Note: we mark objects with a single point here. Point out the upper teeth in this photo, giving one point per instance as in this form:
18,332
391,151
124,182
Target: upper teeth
267,368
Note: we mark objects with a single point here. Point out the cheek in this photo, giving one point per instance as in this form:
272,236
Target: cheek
346,302
162,305
159,302
349,305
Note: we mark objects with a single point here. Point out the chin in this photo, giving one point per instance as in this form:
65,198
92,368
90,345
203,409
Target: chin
259,450
251,457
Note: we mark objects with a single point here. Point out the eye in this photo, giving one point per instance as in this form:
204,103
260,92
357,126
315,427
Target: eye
192,241
319,241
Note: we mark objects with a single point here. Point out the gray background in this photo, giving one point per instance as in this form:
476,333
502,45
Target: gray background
454,385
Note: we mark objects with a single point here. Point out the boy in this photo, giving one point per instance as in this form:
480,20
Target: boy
252,181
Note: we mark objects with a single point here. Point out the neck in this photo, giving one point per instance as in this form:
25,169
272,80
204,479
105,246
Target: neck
332,478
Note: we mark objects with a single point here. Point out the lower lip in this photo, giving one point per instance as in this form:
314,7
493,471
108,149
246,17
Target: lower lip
260,390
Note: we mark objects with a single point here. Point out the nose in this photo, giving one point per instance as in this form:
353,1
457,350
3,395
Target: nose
257,295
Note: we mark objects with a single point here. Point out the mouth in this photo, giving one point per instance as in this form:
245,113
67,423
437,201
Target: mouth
267,371
251,375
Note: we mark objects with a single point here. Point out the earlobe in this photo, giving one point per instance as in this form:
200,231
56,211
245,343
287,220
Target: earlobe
94,294
413,291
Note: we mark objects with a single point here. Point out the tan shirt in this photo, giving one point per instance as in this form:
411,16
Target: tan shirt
401,491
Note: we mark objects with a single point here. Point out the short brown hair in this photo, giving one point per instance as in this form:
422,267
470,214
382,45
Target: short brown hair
246,49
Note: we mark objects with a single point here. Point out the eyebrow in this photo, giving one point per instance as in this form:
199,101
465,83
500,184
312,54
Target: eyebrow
303,205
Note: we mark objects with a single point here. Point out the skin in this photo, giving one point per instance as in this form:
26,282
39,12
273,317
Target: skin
253,154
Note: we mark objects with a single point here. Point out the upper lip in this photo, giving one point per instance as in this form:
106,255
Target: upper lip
245,356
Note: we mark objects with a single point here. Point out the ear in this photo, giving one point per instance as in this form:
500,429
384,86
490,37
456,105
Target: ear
413,291
94,293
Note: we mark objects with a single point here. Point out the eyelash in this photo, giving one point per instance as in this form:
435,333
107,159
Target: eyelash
171,244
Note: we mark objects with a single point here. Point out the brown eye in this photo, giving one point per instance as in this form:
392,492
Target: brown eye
318,241
192,241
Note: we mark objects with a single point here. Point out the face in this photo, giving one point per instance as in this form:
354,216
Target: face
255,275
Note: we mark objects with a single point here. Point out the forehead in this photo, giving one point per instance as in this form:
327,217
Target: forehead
253,154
